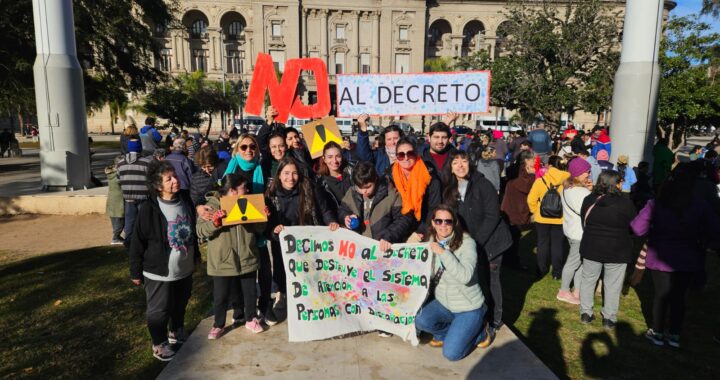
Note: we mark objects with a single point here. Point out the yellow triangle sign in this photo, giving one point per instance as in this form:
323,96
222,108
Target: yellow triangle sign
243,211
322,137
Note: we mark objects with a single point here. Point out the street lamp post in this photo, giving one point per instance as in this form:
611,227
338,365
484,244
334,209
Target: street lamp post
222,66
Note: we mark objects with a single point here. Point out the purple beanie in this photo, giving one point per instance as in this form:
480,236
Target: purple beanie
134,146
578,166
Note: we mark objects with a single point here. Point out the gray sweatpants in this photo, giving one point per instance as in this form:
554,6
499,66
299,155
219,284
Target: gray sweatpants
613,278
572,271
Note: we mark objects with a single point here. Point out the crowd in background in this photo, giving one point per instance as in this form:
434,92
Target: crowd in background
472,196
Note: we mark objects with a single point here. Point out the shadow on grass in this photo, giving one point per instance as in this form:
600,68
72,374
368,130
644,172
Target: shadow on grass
76,315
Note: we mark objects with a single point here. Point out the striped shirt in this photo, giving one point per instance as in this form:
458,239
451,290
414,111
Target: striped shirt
132,171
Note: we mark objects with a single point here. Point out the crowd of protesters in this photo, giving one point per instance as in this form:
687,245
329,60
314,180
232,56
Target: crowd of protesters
471,196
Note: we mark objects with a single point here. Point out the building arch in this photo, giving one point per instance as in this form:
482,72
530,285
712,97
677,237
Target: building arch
473,37
196,23
438,37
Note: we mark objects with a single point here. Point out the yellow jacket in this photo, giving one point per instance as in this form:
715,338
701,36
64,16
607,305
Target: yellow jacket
554,177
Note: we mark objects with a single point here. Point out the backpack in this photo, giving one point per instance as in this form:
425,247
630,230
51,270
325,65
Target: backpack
551,202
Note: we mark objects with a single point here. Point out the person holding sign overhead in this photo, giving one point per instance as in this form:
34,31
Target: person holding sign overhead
233,260
455,316
293,201
418,188
384,156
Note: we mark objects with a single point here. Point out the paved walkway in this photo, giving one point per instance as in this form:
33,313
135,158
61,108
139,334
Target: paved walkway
243,355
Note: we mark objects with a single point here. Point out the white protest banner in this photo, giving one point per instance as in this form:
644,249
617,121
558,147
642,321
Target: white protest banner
413,94
339,282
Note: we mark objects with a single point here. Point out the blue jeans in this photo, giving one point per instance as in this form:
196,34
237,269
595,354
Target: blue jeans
459,332
131,211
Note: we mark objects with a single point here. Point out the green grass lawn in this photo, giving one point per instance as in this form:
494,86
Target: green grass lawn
76,315
553,331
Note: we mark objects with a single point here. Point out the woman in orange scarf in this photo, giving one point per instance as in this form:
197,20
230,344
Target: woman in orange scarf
419,188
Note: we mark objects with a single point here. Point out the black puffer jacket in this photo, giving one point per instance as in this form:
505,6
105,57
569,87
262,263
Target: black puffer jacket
200,184
284,209
479,214
334,188
606,229
385,221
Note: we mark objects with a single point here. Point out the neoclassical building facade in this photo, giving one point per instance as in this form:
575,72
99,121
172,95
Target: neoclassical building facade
223,37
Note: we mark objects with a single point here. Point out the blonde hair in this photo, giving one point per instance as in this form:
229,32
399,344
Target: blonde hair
130,130
242,137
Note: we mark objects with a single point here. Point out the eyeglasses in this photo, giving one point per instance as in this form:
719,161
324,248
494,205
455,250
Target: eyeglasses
439,222
410,155
245,147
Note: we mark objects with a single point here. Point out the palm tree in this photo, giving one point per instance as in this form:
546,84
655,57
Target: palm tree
711,7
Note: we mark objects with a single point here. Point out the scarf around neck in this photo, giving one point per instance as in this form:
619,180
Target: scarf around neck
391,155
412,189
257,180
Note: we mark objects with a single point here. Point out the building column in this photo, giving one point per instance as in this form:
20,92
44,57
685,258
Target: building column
634,106
375,42
324,35
215,48
304,43
354,65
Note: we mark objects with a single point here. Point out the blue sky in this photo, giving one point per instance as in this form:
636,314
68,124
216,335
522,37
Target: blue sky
686,7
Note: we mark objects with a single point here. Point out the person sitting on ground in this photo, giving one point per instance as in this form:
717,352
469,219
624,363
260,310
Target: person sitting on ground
576,188
419,188
455,317
606,246
232,260
163,253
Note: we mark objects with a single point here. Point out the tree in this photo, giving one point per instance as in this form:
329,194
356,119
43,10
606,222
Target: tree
689,94
711,7
115,47
552,57
187,98
439,64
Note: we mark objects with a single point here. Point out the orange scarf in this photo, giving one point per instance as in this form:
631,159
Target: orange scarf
412,189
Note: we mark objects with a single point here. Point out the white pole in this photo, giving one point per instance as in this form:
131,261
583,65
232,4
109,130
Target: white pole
634,107
60,98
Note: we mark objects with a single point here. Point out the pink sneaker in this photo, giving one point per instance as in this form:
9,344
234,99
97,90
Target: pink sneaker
255,326
568,297
215,333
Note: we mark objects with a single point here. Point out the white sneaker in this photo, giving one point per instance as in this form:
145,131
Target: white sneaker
163,352
384,334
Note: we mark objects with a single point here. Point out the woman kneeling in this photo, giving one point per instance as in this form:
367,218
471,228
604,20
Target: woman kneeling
455,317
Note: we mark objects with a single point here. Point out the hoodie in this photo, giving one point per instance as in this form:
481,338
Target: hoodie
132,171
150,138
553,177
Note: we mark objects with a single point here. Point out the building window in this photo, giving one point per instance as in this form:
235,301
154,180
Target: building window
278,58
164,62
199,61
340,32
365,63
339,62
198,29
276,29
235,29
234,62
403,35
402,63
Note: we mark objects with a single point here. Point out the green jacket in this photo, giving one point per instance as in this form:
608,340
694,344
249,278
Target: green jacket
231,250
458,289
115,206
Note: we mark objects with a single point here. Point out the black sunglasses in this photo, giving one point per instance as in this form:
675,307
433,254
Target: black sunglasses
410,155
245,147
448,222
